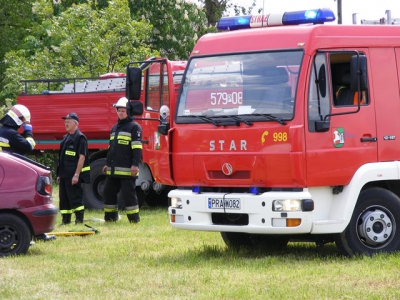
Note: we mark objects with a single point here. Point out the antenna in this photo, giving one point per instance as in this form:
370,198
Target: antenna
262,22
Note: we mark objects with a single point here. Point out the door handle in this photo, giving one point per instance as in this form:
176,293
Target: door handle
368,139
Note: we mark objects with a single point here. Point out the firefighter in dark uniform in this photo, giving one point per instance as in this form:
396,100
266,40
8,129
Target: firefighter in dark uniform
72,170
10,139
122,169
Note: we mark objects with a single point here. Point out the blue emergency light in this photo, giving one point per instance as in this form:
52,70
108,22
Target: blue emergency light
312,16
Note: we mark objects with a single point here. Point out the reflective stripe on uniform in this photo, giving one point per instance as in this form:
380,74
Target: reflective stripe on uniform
132,209
65,211
110,208
85,169
79,208
31,141
5,145
71,153
136,145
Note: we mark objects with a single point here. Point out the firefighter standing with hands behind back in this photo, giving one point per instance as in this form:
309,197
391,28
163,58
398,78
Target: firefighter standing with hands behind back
122,169
72,169
10,139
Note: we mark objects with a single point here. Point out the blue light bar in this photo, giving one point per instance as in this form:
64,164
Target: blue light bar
254,190
196,189
226,23
312,16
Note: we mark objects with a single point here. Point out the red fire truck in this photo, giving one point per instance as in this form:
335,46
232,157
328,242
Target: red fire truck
289,133
92,99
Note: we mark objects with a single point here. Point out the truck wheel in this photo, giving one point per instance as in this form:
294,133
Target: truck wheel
15,236
141,196
373,226
236,240
94,191
154,199
260,241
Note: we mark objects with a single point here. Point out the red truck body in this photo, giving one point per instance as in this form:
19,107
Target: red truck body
92,100
265,147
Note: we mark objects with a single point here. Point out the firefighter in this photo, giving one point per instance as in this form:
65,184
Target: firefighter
122,168
72,170
10,139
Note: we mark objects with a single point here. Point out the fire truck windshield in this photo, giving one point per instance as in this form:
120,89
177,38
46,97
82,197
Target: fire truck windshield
249,85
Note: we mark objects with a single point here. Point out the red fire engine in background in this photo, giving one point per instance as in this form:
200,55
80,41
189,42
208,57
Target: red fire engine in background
92,99
289,133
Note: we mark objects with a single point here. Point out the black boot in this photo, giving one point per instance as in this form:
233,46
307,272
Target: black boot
79,216
66,219
111,216
134,218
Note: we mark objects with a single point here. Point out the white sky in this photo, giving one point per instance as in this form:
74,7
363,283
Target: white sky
366,9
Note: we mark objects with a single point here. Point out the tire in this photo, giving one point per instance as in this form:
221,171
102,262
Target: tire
93,192
236,240
264,242
15,236
141,196
373,225
154,199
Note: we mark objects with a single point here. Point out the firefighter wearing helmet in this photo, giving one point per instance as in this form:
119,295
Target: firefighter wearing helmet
10,139
122,168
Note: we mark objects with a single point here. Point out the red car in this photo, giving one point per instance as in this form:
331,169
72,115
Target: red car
26,203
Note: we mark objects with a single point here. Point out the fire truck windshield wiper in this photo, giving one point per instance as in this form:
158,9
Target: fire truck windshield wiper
271,117
204,118
238,118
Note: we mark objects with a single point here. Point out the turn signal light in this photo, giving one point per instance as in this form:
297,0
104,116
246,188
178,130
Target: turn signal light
293,222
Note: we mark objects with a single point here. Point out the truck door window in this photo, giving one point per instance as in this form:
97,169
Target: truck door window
318,97
157,87
260,87
340,75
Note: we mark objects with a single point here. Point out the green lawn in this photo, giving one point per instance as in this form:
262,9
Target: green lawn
151,260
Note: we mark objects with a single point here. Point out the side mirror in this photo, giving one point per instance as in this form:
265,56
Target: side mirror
322,126
358,71
135,108
163,128
133,83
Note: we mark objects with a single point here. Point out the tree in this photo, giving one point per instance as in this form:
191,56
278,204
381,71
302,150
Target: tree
215,9
80,42
15,20
176,25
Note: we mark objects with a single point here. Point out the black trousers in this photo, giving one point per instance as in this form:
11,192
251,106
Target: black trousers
127,188
71,196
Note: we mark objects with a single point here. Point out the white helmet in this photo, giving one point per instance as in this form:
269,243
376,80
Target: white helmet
19,112
122,102
164,113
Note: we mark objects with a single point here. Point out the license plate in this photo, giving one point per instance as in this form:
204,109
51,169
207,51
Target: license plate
226,203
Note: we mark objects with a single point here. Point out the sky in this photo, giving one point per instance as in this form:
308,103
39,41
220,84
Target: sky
365,9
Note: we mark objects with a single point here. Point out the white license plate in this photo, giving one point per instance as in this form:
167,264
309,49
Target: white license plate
227,203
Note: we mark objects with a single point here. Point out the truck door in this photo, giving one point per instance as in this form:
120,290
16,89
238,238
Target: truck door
158,97
386,62
333,156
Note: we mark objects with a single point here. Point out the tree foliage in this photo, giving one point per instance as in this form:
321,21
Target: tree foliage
79,42
177,25
215,9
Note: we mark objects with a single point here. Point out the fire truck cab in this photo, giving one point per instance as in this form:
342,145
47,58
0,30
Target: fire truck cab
290,132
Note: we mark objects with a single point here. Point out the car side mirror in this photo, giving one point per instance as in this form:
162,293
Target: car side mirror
163,128
322,126
135,108
133,83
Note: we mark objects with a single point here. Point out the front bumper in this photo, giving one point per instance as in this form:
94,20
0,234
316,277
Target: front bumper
254,216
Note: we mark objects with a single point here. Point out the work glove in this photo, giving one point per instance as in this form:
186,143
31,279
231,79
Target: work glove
27,127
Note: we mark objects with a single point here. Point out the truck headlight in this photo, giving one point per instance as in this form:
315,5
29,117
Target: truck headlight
176,202
287,205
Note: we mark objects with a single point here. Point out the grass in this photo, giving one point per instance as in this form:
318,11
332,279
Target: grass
151,260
